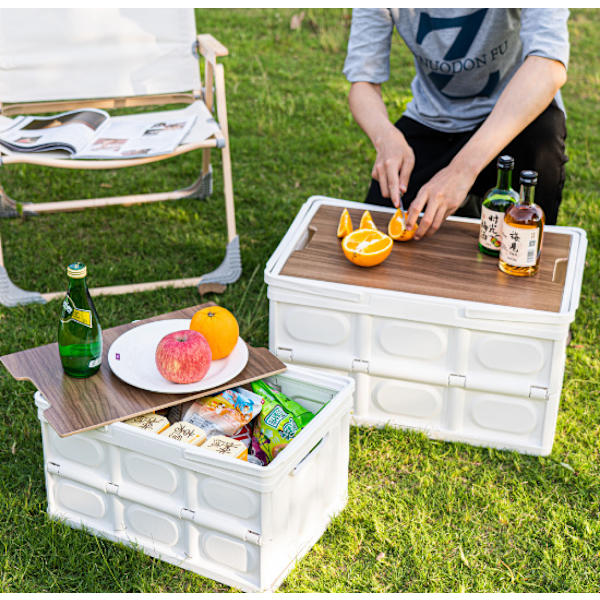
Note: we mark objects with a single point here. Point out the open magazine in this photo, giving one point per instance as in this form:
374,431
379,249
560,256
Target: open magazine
93,133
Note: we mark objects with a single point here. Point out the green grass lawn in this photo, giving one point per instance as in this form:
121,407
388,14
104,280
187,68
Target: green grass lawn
422,516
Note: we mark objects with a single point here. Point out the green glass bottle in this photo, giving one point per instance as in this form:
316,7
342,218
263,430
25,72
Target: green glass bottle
79,331
495,203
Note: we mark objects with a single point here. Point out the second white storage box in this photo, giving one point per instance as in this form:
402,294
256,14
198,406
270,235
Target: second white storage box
232,521
456,368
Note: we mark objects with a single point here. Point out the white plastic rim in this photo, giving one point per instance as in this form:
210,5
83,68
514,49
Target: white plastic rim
131,358
473,309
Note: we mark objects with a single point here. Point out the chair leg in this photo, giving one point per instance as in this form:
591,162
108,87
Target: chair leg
8,207
12,295
227,272
202,187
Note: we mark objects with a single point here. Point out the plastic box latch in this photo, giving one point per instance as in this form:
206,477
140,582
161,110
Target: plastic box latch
538,393
111,488
285,354
455,380
53,468
185,514
360,366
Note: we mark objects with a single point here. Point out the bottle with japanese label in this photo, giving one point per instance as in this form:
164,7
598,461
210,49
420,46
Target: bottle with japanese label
79,332
522,232
495,203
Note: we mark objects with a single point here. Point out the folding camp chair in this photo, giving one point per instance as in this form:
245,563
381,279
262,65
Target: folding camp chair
53,60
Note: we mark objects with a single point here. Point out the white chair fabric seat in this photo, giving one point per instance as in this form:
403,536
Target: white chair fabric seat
79,53
54,60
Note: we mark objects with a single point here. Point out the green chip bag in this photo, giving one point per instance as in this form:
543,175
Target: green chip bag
279,421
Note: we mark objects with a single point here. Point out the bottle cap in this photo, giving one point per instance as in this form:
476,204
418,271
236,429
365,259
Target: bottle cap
77,270
529,177
506,162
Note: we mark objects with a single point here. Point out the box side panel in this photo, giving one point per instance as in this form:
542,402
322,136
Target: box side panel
126,486
298,511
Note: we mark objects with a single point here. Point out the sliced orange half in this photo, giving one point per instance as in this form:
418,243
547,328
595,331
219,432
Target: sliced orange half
366,221
345,224
397,227
367,247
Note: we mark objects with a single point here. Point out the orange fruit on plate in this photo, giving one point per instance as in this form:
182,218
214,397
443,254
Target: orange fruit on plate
367,247
397,227
219,327
366,221
345,224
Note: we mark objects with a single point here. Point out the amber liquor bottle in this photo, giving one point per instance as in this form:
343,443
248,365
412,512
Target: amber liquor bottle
522,231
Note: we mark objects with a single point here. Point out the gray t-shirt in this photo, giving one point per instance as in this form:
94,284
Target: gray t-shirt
464,57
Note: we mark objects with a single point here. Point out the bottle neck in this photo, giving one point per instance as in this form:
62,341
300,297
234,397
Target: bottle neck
504,181
527,193
77,287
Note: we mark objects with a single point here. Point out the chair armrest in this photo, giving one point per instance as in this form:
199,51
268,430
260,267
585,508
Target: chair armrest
210,47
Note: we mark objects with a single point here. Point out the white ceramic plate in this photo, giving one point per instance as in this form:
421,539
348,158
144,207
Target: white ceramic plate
131,358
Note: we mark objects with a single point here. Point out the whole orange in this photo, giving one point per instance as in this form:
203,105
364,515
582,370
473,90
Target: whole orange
219,327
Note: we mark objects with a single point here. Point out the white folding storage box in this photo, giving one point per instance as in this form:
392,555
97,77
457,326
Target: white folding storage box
232,521
456,369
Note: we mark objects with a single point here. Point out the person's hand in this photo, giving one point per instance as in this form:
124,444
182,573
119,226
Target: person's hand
394,164
443,194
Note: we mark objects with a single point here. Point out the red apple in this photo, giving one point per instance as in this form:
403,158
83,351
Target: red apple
183,356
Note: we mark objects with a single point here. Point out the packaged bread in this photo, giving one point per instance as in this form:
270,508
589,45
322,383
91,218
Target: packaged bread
149,422
225,413
226,446
185,432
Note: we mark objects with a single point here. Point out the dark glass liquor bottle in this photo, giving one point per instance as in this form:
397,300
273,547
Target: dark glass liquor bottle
523,231
79,331
495,204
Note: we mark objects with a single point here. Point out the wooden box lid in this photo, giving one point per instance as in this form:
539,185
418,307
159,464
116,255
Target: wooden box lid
81,404
447,264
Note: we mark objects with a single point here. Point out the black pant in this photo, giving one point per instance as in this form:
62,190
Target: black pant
540,147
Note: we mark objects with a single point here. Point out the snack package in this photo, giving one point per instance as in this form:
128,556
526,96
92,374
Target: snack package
149,422
185,432
225,413
279,422
302,416
226,446
244,435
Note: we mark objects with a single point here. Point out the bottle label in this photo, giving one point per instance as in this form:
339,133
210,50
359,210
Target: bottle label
71,313
519,245
95,362
490,231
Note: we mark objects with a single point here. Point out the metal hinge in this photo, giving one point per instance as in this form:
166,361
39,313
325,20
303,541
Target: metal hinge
111,488
360,366
455,380
53,468
285,354
538,393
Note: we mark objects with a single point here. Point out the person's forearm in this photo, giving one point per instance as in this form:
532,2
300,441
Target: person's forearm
526,96
395,158
368,110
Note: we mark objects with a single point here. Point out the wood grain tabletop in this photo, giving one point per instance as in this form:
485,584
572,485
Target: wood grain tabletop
82,404
447,264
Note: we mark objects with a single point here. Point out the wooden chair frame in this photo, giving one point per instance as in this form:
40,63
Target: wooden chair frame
213,93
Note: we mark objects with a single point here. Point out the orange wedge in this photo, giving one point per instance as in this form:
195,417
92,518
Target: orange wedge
367,247
397,227
366,221
345,224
